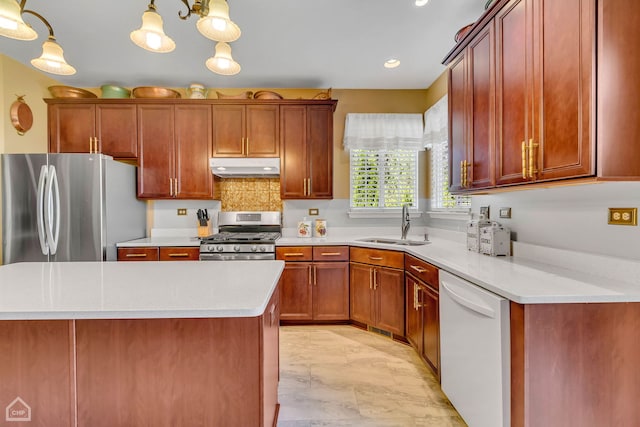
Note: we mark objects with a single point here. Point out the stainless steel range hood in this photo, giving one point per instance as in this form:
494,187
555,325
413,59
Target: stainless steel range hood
243,167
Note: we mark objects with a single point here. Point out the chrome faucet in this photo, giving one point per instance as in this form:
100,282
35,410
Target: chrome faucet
406,221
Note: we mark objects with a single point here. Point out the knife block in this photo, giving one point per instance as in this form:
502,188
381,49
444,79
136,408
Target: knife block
205,230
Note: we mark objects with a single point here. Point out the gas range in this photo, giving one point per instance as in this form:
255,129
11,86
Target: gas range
243,236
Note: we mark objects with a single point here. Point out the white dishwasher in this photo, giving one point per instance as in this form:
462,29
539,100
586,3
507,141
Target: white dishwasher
475,352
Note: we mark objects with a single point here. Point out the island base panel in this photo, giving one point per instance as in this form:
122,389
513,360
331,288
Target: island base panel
166,372
36,367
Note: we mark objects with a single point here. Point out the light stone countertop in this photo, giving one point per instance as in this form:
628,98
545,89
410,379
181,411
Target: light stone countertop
135,290
517,279
160,241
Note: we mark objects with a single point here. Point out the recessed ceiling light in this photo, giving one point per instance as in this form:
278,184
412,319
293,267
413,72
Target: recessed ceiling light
421,2
391,63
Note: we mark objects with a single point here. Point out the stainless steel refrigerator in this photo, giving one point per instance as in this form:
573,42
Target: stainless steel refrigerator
68,207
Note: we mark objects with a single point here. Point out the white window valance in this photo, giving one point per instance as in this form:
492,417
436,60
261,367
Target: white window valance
436,123
383,132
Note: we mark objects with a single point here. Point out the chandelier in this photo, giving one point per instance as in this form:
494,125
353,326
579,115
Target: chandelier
214,23
13,26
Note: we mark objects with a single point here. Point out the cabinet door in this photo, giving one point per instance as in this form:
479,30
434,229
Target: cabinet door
458,114
431,328
293,151
296,290
228,131
71,127
156,156
263,130
564,86
331,291
320,154
117,130
361,291
193,150
388,286
413,310
513,110
481,56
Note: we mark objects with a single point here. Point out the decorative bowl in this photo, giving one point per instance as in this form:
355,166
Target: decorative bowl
111,91
462,32
70,92
243,95
266,94
154,92
323,95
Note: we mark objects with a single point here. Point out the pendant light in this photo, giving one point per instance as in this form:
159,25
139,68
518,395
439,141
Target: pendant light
11,23
151,34
52,59
222,62
217,25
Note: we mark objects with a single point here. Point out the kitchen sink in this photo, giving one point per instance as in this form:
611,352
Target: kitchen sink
389,241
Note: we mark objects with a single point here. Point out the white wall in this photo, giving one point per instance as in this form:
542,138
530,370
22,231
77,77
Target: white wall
572,217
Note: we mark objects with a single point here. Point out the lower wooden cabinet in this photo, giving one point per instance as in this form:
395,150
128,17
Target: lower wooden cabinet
161,253
313,290
422,310
377,289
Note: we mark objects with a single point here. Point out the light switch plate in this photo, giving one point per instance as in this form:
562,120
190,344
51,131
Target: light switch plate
313,211
182,211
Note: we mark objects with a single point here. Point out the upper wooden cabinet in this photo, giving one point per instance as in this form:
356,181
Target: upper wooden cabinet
175,146
246,131
93,128
522,103
306,136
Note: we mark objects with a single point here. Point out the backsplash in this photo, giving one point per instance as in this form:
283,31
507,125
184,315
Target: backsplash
250,194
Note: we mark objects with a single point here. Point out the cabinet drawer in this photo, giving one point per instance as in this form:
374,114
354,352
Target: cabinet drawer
422,270
295,253
138,254
331,253
379,257
180,253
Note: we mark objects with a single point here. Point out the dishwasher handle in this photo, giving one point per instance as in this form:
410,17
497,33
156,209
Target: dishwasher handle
471,305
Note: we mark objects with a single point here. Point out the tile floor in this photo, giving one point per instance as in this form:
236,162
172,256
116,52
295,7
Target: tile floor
344,376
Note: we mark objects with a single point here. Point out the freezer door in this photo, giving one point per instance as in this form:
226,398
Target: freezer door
23,233
75,229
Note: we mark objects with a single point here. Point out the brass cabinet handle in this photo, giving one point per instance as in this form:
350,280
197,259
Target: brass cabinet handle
375,279
330,254
136,255
171,187
371,278
524,160
294,254
375,258
309,275
415,296
315,275
247,142
304,185
179,255
418,268
95,141
175,185
532,160
466,173
308,186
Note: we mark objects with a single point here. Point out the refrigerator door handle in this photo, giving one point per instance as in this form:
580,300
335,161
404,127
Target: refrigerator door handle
52,211
42,237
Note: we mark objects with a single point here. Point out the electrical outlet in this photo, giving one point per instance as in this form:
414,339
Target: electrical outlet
182,211
313,211
623,216
505,212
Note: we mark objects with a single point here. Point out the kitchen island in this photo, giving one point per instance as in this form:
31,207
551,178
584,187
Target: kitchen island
139,343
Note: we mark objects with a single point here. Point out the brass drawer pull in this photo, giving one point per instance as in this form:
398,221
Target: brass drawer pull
294,254
136,255
179,255
330,254
418,268
375,258
524,160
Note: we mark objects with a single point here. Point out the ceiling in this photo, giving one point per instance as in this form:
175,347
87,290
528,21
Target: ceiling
284,43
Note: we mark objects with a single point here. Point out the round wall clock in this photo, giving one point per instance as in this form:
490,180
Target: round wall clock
21,116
